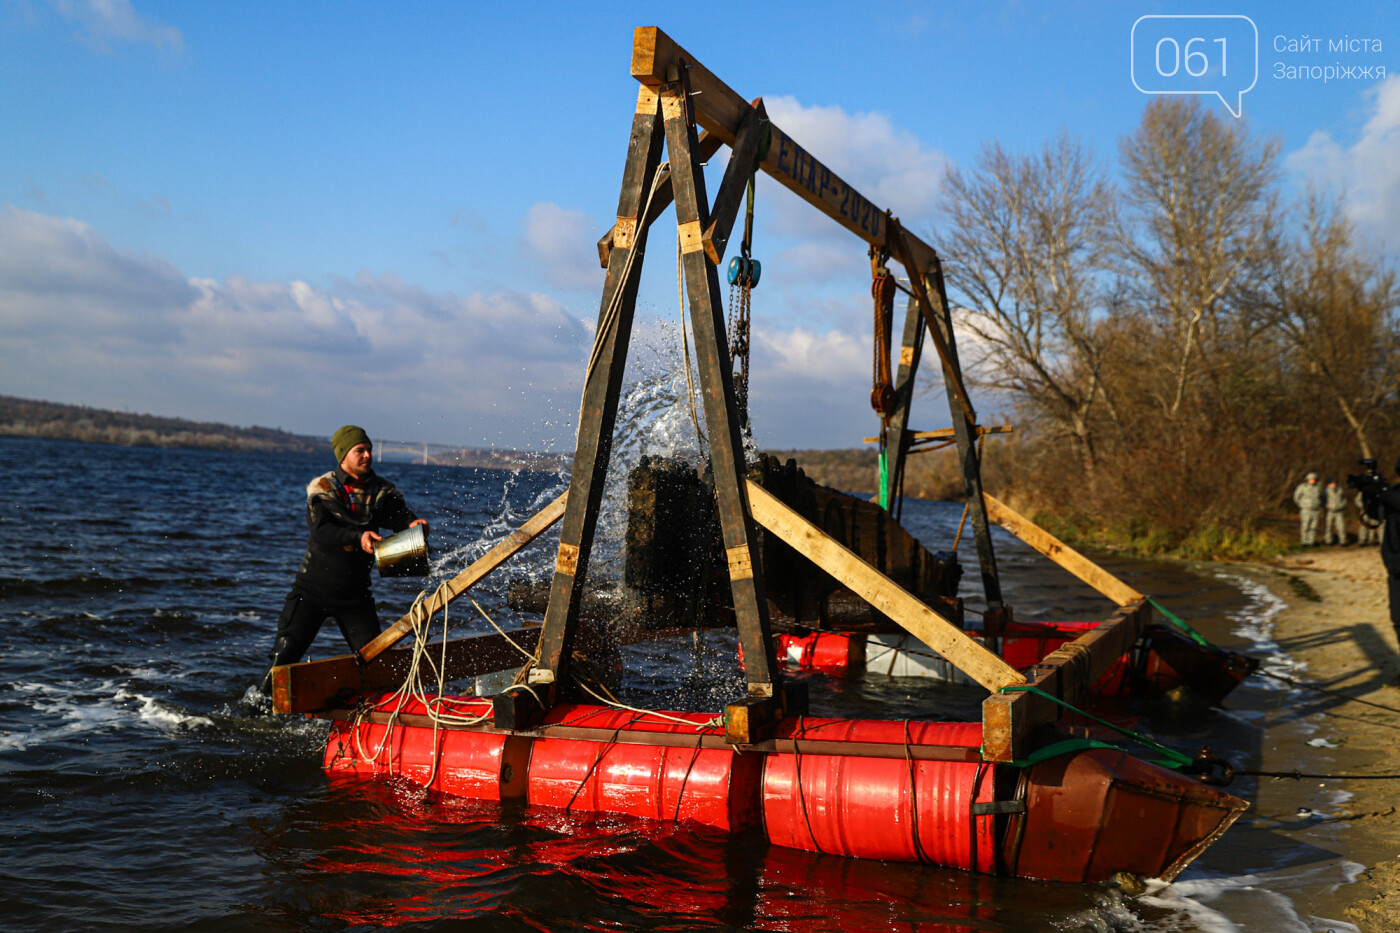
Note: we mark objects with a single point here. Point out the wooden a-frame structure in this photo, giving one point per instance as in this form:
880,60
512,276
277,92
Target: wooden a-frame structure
679,97
686,111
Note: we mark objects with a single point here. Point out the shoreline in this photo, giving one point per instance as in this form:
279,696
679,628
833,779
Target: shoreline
1336,626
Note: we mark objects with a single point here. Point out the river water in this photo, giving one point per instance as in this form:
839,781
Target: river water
139,590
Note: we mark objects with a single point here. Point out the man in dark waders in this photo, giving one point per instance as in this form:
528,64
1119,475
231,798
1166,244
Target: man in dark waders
1382,503
345,509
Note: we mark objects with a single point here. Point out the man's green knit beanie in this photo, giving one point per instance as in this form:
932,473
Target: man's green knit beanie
347,437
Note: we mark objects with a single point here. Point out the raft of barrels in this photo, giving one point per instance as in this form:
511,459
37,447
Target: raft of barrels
907,791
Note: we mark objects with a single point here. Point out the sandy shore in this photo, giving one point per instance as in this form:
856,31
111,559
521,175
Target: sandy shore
1338,624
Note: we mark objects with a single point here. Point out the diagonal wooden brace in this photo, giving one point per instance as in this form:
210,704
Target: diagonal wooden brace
468,578
881,592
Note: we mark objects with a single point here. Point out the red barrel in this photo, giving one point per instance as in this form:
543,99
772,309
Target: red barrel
716,787
480,765
1027,643
823,651
883,808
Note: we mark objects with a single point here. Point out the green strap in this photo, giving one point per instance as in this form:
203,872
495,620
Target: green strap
884,478
1187,630
1172,758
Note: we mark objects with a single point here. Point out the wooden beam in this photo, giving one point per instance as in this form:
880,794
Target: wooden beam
709,145
468,578
742,161
1061,553
315,685
933,318
602,388
881,592
1010,720
657,59
717,392
942,434
911,348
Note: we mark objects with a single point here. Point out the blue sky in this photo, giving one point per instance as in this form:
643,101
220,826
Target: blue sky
301,214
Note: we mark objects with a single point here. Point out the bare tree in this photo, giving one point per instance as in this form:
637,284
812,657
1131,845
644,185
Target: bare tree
1337,312
1027,247
1198,211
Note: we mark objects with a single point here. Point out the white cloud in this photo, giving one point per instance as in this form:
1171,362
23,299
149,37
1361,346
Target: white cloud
887,164
104,22
81,321
1368,171
564,245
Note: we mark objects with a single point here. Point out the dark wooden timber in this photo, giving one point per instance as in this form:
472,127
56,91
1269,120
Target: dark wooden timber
598,413
911,348
717,388
474,574
709,145
704,740
314,685
1010,719
742,163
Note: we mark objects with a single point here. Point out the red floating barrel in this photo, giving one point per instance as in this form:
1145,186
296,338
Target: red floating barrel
1027,643
823,651
479,765
716,787
885,808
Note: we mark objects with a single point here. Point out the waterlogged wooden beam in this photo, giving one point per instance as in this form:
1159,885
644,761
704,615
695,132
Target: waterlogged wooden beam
657,59
881,592
1010,720
1061,553
310,686
468,578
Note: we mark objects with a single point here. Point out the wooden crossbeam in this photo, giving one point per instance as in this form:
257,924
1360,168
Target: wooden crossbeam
944,434
657,59
931,628
1061,553
479,569
316,685
1010,720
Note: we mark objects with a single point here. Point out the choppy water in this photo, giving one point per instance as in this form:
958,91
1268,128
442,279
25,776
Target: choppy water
139,590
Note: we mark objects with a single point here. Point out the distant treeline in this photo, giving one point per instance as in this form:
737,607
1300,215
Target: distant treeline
27,418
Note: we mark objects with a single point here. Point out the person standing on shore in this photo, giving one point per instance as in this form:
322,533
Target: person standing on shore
345,509
1382,503
1334,531
1308,498
1368,529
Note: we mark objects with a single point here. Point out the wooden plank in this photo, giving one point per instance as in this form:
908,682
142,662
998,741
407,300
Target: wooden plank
911,348
717,392
1010,720
709,145
657,59
1061,553
934,317
943,434
468,578
881,592
742,162
315,685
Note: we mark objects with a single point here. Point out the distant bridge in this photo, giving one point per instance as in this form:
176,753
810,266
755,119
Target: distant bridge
449,455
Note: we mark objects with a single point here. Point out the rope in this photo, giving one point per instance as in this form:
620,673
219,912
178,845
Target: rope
608,320
1177,758
962,522
914,799
1323,690
797,772
1298,776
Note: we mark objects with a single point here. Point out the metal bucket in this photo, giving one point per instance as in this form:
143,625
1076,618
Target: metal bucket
404,554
